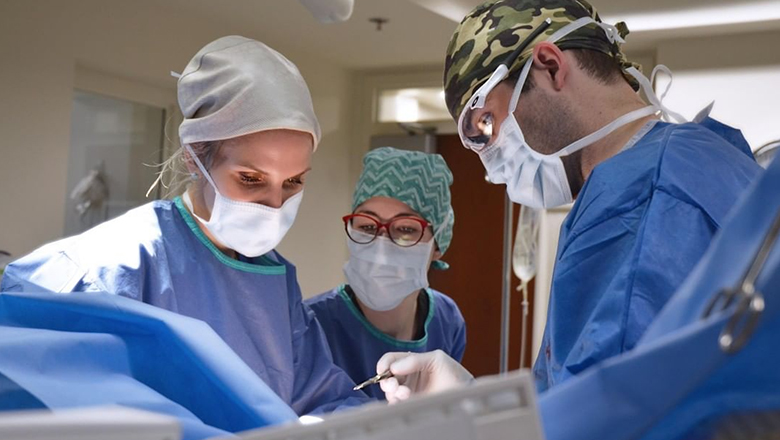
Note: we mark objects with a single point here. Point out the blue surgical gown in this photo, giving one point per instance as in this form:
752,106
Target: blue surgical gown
357,345
677,383
641,222
157,254
93,348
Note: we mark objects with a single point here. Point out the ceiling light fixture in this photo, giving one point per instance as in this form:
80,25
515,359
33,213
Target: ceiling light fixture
378,21
740,13
333,11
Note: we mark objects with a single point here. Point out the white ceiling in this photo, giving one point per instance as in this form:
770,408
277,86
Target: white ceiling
456,9
418,30
413,35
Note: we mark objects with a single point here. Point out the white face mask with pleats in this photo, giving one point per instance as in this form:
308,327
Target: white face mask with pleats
250,229
382,274
534,179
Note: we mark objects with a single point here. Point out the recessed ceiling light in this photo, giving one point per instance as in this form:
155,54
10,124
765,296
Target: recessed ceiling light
739,13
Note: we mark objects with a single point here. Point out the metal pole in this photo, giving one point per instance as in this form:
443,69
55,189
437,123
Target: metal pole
506,288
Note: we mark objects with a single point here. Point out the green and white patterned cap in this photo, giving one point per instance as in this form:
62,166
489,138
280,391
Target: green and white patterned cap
420,180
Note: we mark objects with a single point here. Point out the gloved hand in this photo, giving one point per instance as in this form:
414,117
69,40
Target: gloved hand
420,373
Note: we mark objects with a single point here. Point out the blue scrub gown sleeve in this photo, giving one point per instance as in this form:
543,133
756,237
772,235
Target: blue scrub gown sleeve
320,386
641,283
44,271
459,340
661,264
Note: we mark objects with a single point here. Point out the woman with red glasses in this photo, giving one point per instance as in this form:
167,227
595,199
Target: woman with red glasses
400,227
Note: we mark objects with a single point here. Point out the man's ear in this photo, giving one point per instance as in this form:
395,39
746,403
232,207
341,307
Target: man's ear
551,64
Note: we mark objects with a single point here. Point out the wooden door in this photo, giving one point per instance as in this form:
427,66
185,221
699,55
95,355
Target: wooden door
476,257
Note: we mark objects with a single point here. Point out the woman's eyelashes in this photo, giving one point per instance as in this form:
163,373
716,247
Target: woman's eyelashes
250,180
294,183
254,181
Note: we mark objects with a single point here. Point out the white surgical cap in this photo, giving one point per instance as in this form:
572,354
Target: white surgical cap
236,86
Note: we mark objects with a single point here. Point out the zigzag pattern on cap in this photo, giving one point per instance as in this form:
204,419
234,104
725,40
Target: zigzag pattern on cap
419,180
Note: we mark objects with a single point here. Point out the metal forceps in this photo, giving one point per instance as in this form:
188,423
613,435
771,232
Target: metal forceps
749,302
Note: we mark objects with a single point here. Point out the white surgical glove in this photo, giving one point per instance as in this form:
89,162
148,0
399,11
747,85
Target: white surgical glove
309,420
420,373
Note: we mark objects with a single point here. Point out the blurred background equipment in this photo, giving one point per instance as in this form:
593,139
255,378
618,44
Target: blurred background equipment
765,154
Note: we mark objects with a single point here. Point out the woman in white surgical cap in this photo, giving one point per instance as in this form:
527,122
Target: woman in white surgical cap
248,134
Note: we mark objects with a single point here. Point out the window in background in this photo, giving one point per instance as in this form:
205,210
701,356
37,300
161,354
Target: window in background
412,105
115,146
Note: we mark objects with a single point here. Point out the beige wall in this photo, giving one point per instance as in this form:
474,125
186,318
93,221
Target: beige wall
741,73
126,49
367,85
48,47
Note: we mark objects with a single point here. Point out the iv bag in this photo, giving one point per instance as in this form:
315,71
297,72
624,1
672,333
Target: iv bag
524,264
524,252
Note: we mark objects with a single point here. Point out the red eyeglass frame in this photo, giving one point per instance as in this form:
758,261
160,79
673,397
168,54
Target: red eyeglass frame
347,218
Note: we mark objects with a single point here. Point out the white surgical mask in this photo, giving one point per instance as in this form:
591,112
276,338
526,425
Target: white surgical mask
250,229
539,180
382,274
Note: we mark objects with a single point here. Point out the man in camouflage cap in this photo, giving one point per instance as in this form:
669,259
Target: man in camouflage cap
543,93
493,31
